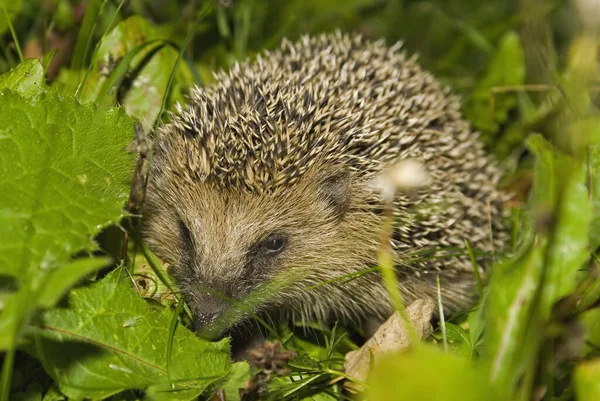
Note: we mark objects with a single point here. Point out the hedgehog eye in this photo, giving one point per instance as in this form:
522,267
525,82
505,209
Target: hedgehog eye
274,244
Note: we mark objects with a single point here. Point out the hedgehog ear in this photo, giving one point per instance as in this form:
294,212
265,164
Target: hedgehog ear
335,190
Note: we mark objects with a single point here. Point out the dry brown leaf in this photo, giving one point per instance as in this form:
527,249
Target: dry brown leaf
391,336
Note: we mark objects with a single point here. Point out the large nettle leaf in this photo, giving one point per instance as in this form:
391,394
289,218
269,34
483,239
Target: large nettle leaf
64,175
108,339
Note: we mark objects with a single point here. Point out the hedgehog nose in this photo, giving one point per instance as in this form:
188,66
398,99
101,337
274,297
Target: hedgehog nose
206,311
207,325
205,319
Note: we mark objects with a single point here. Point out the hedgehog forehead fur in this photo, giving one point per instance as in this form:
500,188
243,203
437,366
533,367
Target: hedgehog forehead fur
256,150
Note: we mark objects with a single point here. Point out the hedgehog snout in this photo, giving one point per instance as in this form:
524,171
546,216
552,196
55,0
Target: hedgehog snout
206,310
206,319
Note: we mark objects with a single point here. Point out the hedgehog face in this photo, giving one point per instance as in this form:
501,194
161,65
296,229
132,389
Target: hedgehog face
233,252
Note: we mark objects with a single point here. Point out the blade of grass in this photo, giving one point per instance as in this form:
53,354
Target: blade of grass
222,24
242,28
441,309
162,274
12,32
48,59
180,306
345,277
110,26
7,370
388,272
201,14
84,37
475,269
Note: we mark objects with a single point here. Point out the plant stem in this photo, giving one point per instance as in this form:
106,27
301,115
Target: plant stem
388,272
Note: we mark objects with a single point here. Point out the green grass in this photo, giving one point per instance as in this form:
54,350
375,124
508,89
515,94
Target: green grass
527,73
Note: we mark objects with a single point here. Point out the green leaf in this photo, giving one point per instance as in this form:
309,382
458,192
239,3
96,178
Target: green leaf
109,340
460,342
457,333
544,192
477,323
41,290
587,381
507,68
53,394
66,277
26,78
65,174
240,374
149,61
591,321
594,166
510,304
524,289
304,363
512,336
573,210
425,373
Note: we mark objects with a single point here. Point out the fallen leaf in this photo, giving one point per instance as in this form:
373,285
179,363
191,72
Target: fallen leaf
390,337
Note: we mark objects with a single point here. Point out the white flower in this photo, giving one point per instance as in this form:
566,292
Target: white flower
404,176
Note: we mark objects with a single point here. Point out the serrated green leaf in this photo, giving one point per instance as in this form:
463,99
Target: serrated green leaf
65,174
477,324
109,340
457,333
458,339
27,78
426,373
41,289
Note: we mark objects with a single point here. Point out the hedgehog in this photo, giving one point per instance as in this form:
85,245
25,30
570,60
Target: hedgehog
261,188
